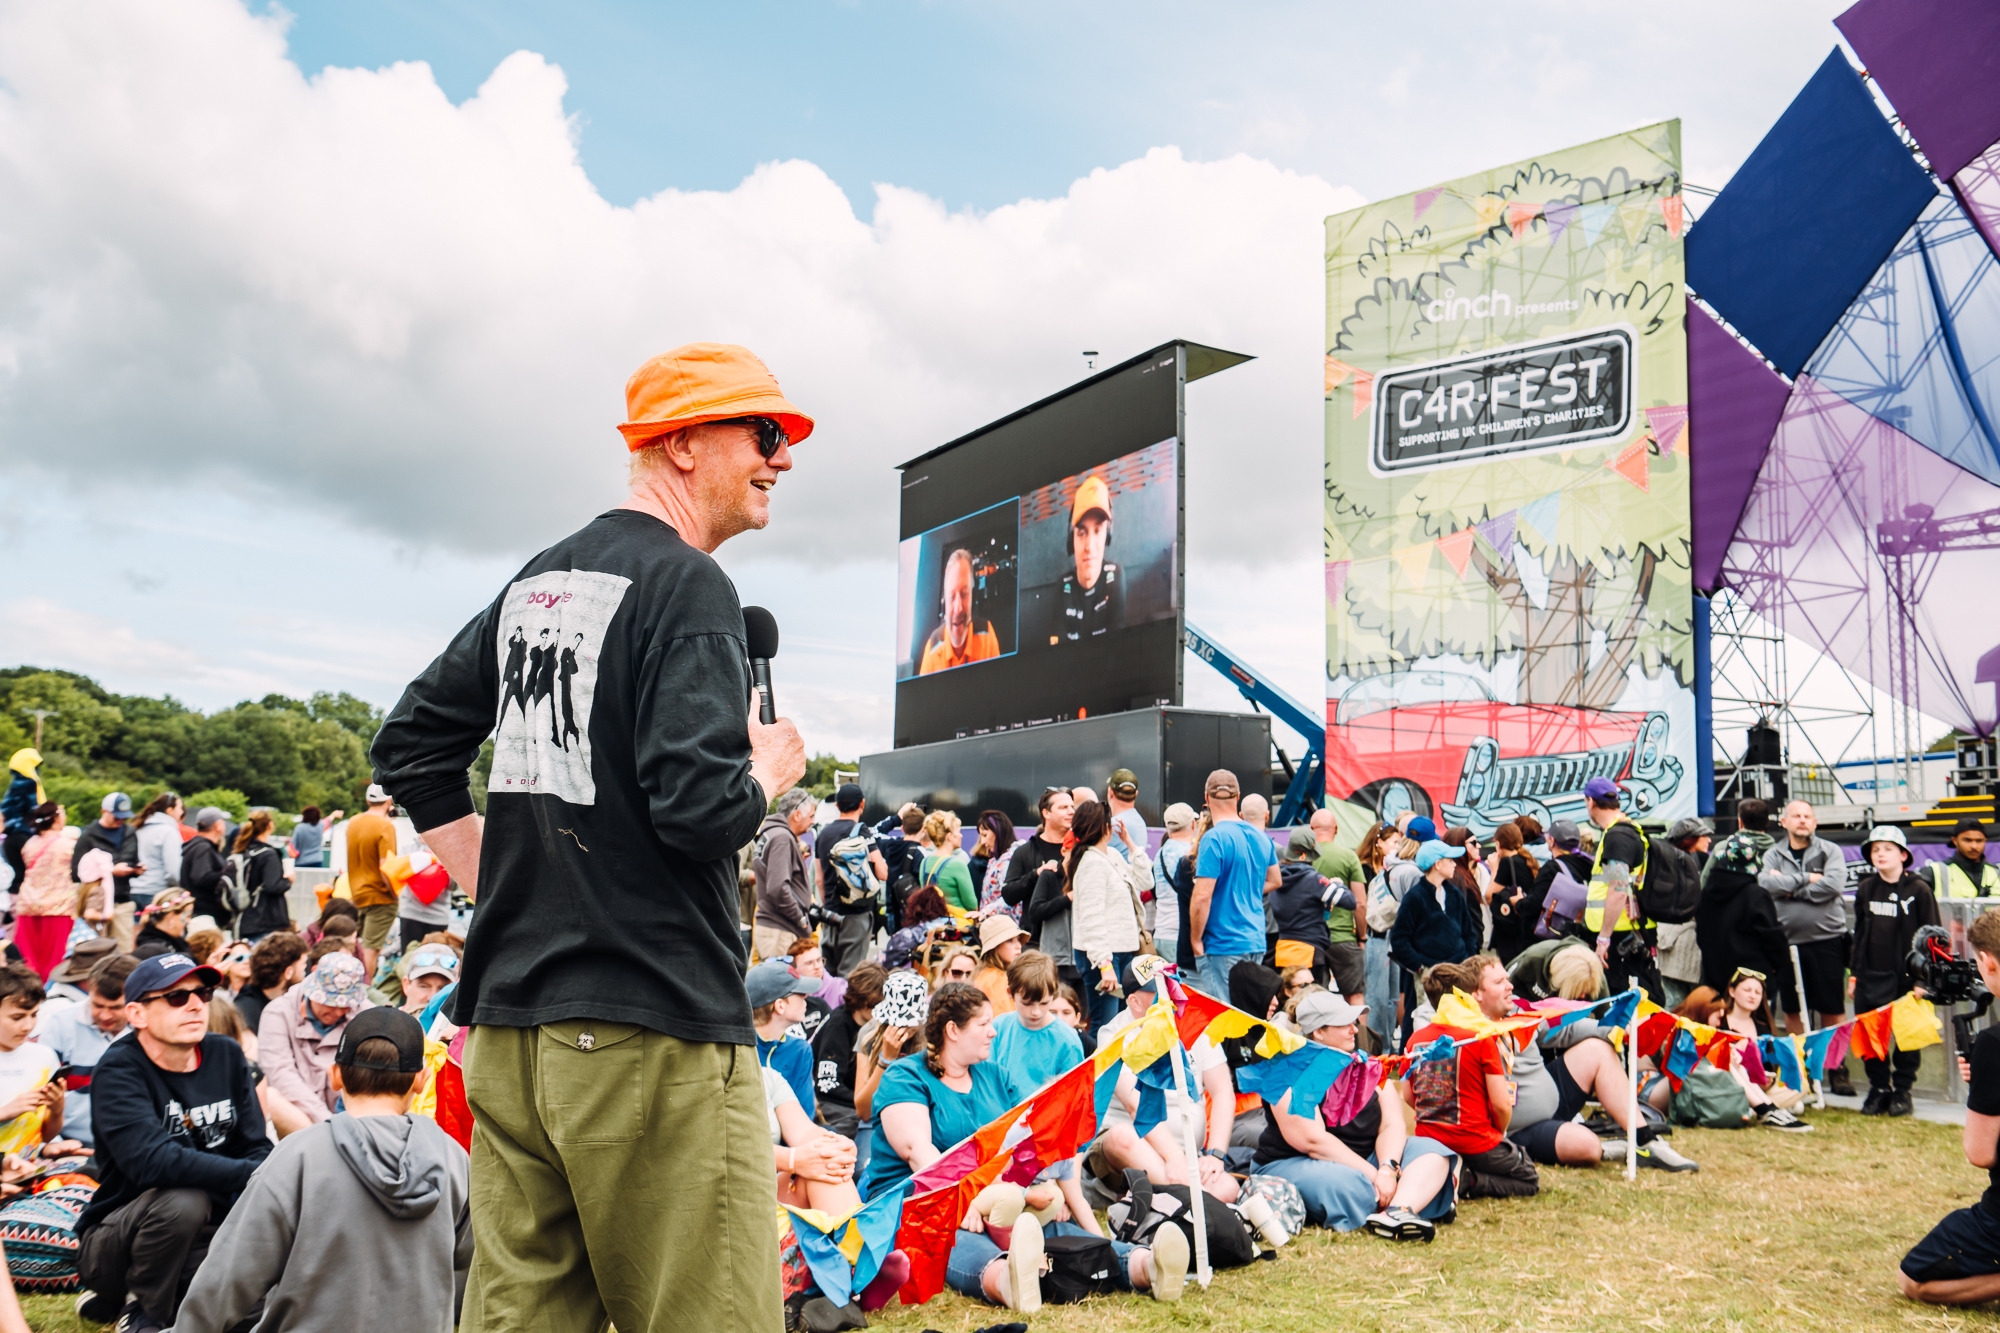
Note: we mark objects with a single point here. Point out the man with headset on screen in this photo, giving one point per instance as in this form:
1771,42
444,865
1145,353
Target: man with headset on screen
1093,601
953,643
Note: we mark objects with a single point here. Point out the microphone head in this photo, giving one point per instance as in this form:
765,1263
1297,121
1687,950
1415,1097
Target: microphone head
760,630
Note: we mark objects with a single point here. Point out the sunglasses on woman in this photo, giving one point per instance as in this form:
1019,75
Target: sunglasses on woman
771,436
177,999
1743,972
959,974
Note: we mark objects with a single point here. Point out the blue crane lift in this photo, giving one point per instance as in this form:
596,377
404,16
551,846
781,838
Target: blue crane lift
1306,788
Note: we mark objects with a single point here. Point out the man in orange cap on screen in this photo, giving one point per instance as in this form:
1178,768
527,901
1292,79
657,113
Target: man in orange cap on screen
954,642
621,1165
1093,600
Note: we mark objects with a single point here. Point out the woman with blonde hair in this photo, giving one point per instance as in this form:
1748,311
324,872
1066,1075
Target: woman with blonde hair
945,866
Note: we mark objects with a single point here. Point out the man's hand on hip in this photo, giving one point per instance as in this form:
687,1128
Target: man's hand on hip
777,756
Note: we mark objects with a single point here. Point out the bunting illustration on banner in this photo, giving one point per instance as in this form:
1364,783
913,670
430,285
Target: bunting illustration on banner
1422,201
1456,548
1668,423
1632,463
1336,578
1559,216
1520,216
1499,535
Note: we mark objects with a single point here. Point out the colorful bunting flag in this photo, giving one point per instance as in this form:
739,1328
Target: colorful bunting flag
1635,217
1592,217
1336,373
1423,201
1671,210
1519,216
1633,463
1667,424
845,1253
1456,547
1488,208
1873,1032
1543,515
1915,1024
1364,392
1414,560
1499,534
1336,580
1785,1056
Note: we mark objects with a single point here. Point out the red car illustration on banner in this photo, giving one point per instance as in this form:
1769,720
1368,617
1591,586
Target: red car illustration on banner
1438,743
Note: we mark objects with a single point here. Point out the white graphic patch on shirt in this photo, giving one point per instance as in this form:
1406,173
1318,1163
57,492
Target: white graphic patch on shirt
551,633
209,1125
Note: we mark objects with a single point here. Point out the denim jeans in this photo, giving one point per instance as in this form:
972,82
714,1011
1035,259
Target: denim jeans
971,1251
1381,988
1212,972
1103,1008
1341,1197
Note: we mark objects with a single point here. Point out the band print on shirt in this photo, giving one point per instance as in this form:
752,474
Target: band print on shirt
551,632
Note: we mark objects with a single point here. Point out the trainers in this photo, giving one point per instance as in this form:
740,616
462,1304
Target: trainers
1169,1263
1777,1117
1024,1267
95,1308
1899,1102
1660,1156
1613,1151
134,1319
1873,1104
1400,1224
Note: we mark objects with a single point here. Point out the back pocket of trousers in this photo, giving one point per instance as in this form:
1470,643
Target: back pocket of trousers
592,1081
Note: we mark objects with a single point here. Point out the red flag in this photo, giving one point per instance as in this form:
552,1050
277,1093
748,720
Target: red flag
454,1116
1200,1010
930,1226
1873,1031
1064,1116
1655,1031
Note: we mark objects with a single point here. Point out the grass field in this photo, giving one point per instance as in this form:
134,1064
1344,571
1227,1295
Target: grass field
1776,1232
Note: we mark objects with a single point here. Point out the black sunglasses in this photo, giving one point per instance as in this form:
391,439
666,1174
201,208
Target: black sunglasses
177,999
771,436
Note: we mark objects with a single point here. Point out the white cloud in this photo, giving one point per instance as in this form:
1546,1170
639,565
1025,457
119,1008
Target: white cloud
423,313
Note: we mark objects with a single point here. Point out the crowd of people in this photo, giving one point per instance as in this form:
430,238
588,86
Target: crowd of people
205,1104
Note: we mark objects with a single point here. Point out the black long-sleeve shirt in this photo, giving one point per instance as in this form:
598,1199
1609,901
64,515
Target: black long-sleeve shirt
607,873
1886,919
157,1129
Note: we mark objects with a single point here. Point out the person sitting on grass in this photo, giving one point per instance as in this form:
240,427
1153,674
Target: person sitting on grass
1036,1050
428,970
277,963
300,1031
836,1051
79,1036
1365,1170
373,1190
1001,940
1741,1011
777,1003
1466,1100
31,1099
1958,1262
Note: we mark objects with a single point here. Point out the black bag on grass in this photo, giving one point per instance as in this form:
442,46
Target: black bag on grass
1079,1266
1230,1244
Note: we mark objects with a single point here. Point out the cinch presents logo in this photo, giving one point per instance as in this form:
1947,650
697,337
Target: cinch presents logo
1496,305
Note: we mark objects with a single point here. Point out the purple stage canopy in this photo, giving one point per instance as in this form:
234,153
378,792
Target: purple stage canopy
1734,402
1808,219
1938,62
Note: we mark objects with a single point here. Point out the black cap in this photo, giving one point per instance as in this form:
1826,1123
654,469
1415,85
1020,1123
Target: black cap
1968,825
849,797
390,1024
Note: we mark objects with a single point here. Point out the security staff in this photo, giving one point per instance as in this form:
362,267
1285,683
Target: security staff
1093,599
1611,908
1966,874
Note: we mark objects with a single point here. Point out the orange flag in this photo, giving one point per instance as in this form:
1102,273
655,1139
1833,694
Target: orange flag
1457,548
1633,462
1872,1034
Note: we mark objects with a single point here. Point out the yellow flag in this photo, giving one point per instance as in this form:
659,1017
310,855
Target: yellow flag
1915,1023
1150,1038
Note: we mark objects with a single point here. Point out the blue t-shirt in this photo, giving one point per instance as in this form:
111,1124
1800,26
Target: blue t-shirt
1034,1057
309,841
954,1115
792,1057
1236,856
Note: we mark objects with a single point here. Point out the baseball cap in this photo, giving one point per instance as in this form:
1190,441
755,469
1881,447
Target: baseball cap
1599,788
119,804
1420,829
1967,825
1221,783
996,930
702,382
1302,845
1091,494
432,960
1322,1009
339,982
165,970
772,980
1434,851
375,794
208,817
1564,833
1125,782
1693,826
1177,816
849,797
392,1025
1140,972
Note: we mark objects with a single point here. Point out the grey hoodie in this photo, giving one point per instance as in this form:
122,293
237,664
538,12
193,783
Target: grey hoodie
355,1223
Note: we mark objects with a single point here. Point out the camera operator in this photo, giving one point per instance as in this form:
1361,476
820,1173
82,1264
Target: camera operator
784,895
1958,1263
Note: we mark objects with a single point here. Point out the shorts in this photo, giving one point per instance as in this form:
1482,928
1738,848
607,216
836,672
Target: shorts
1965,1244
1350,973
376,922
1503,1171
1824,963
1540,1138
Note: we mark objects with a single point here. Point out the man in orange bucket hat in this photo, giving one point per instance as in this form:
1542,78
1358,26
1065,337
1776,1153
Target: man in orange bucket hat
611,1066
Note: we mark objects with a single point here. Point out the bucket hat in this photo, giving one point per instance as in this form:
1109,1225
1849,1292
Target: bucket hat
702,382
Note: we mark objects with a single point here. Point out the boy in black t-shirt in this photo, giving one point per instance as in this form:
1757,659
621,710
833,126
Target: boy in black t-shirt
1958,1263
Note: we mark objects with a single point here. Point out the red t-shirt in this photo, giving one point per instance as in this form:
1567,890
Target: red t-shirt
1450,1095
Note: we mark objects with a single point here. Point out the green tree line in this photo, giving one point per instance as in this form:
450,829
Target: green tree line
276,751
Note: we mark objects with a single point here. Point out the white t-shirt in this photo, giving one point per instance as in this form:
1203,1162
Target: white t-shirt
777,1091
1204,1055
27,1066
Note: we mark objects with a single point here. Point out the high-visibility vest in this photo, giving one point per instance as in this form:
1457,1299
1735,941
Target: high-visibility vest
1594,897
1948,881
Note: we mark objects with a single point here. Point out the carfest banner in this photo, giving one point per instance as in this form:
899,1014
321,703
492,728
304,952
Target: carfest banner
1509,609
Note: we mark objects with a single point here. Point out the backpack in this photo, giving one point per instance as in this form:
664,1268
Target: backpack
1079,1267
848,859
1562,908
233,888
1383,902
1673,885
1230,1244
1710,1099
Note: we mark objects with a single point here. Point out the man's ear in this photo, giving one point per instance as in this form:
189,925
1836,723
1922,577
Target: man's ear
334,1080
678,448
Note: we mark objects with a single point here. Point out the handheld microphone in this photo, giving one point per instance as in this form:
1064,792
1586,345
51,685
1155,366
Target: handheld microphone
760,630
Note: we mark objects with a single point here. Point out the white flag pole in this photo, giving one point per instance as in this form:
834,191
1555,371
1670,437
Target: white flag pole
1189,1146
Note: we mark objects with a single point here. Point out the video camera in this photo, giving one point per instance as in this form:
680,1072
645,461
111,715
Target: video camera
1947,980
822,916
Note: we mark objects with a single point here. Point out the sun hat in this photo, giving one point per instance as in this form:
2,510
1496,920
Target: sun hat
906,1001
1177,816
83,958
392,1025
1323,1009
1434,851
339,982
997,929
1887,833
701,382
772,980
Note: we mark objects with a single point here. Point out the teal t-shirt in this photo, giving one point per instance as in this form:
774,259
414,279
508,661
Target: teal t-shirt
954,1115
1034,1057
1236,856
1337,863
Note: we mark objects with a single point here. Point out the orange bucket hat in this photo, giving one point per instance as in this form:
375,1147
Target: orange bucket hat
703,382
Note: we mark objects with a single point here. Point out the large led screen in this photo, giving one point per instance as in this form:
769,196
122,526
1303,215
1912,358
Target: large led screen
1039,566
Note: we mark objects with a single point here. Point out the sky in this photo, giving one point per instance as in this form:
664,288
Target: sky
314,321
